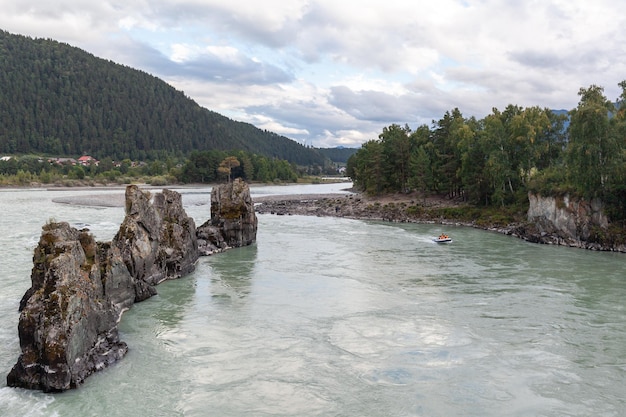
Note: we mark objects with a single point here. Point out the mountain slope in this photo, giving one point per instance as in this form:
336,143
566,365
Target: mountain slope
338,154
60,100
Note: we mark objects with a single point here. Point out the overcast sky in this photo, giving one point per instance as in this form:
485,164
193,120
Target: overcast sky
335,72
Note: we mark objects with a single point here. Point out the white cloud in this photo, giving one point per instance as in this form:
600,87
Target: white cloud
181,53
329,72
361,82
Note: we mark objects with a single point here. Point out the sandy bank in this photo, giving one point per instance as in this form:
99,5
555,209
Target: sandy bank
117,199
95,200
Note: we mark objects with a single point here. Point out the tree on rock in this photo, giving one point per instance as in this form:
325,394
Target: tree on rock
227,165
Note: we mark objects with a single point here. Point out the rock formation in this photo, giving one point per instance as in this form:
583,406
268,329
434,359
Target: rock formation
80,287
157,240
233,222
562,220
565,217
67,326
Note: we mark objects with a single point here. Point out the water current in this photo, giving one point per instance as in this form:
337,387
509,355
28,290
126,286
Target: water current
340,317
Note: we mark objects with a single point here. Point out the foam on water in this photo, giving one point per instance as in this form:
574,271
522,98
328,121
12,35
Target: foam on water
23,403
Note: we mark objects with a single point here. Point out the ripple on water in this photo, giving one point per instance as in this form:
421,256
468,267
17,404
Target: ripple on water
24,403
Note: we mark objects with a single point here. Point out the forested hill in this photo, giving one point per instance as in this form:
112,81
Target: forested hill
338,154
57,99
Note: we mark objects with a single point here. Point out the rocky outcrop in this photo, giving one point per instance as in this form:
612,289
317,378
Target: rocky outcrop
119,285
562,220
233,222
80,287
68,325
567,218
157,240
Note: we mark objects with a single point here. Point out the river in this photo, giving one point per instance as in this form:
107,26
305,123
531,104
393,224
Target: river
339,317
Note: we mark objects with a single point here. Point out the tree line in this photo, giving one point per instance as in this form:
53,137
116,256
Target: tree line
208,167
497,160
201,167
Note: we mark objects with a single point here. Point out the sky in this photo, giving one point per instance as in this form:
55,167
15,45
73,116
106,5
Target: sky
329,73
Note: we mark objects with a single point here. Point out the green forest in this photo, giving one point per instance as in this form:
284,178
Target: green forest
58,100
497,160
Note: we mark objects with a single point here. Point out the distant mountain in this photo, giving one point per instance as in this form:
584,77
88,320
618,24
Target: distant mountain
59,100
562,112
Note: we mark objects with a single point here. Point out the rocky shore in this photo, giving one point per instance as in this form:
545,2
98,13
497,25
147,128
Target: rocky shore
414,209
392,208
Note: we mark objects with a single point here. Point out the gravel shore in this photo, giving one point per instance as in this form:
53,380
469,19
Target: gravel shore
95,200
117,199
356,206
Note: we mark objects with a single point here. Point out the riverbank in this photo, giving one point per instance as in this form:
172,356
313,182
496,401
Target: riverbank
401,208
411,208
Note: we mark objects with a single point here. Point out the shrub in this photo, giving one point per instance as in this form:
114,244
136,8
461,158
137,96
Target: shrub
158,181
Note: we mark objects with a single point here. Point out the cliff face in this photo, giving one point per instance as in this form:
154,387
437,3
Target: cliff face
566,221
565,217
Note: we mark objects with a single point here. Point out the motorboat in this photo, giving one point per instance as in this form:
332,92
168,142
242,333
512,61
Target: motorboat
442,239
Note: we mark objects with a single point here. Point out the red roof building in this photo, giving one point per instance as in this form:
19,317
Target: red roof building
87,160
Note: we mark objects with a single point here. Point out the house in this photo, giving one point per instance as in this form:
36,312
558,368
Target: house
87,160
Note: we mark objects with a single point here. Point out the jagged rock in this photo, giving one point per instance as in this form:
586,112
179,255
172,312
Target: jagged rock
157,241
210,239
233,222
178,246
119,285
80,287
67,325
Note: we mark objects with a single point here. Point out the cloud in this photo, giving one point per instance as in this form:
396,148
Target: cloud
539,59
370,105
208,63
237,69
328,72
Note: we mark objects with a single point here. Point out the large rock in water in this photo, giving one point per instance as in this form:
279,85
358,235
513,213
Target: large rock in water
157,240
67,326
233,222
80,287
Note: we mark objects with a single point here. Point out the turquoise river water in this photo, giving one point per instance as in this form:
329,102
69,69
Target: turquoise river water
339,317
